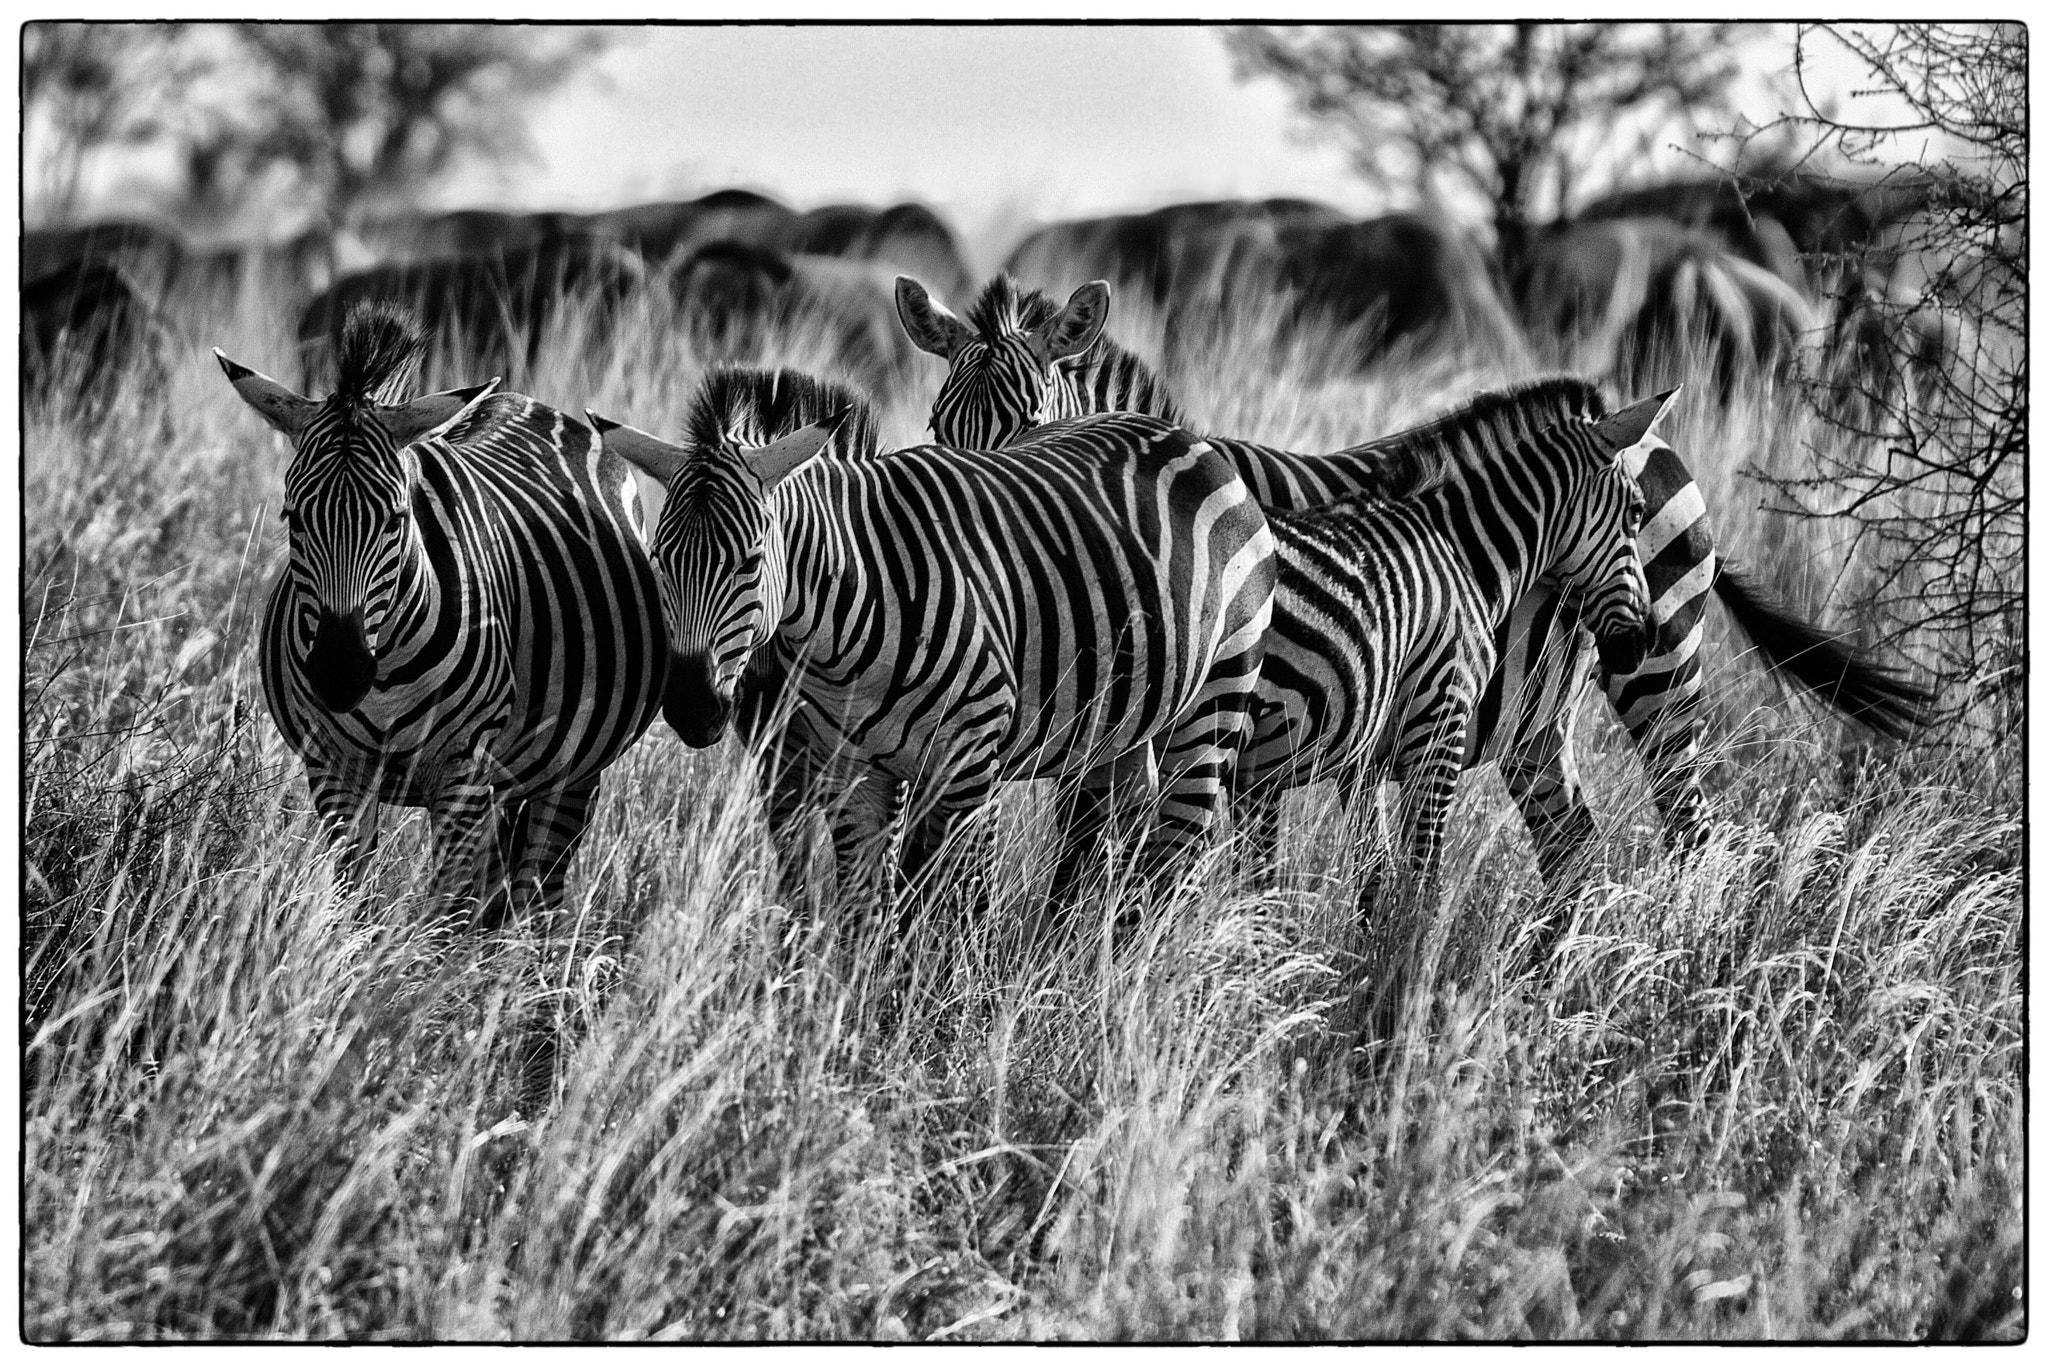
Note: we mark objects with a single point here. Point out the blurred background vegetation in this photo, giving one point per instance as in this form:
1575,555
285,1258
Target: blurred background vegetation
332,120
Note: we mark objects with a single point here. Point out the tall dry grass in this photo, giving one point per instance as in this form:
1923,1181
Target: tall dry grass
1772,1089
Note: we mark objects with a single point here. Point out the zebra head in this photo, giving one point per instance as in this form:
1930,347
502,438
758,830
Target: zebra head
1600,568
1001,382
719,545
349,492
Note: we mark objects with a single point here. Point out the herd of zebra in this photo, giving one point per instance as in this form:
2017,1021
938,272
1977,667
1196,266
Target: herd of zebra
1067,583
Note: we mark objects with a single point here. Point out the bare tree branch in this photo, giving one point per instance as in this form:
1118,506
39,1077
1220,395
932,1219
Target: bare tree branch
1935,380
1504,112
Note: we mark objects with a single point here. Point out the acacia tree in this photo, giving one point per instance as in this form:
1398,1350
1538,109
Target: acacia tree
369,113
334,118
1927,460
1509,113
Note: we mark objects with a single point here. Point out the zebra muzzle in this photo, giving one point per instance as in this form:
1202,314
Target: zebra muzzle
1623,651
694,706
340,667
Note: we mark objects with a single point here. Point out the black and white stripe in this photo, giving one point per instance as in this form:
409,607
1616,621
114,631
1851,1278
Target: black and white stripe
952,619
1020,361
1526,713
1390,600
467,621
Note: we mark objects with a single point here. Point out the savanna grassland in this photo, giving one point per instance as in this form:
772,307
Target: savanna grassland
1770,1089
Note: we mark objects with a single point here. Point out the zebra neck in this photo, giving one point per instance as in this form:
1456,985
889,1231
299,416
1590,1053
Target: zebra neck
825,563
420,595
1065,395
1504,535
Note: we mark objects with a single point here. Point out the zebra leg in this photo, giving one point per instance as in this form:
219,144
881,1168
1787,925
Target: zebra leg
1082,811
349,815
465,820
1427,760
865,831
1198,761
1358,800
793,779
781,747
546,831
1427,771
1542,775
1261,824
966,778
799,782
1662,712
933,857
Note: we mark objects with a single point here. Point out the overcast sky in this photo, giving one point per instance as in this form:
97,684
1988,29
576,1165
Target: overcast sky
985,123
992,126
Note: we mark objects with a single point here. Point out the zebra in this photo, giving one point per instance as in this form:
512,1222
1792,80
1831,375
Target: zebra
1390,599
1526,715
1023,362
467,620
949,620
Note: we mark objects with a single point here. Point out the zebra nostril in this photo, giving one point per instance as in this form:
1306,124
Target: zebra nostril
696,708
341,666
1623,649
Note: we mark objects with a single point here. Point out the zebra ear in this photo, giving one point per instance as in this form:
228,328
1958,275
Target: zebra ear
930,325
1618,431
286,411
1075,327
784,456
431,414
651,455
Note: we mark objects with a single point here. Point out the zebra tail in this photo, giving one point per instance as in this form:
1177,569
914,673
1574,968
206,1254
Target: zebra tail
1832,666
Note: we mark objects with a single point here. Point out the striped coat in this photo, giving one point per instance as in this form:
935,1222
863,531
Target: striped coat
1019,362
1390,601
1525,715
952,620
467,621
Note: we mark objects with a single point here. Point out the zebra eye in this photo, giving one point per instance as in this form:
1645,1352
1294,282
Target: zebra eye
287,516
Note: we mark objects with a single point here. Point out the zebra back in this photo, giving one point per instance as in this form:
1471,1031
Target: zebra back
1417,458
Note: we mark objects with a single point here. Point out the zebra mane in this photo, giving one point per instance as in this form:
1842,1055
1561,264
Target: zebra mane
378,354
755,407
1414,461
1004,307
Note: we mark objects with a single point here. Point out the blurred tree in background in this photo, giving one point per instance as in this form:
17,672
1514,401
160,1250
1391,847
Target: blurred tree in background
365,114
1511,113
89,86
333,119
1930,478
